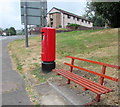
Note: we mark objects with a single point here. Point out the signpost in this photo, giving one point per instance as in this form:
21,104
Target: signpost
33,12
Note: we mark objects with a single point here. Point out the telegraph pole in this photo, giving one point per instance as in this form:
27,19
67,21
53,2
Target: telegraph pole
25,25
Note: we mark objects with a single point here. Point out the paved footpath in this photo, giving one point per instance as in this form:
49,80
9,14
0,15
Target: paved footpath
13,86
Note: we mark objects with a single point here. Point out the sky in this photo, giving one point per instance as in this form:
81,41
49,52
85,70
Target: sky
10,12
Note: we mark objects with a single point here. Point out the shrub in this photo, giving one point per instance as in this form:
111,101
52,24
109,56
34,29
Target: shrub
73,25
60,26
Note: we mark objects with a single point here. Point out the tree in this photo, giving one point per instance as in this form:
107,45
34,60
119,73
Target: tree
7,31
1,31
99,21
12,31
90,14
110,11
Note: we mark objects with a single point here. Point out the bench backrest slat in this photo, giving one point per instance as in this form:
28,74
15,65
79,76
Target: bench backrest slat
93,72
95,62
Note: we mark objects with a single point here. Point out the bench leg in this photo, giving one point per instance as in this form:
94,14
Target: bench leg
98,98
85,89
68,81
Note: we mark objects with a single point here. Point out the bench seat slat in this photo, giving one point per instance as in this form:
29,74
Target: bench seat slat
84,82
95,87
88,82
76,81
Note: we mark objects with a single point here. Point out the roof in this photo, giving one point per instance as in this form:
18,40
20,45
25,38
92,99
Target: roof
69,13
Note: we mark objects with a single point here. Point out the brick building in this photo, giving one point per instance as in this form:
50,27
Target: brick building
60,18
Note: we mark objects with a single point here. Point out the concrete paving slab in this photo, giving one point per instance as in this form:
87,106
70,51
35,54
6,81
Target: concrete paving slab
49,96
52,94
71,95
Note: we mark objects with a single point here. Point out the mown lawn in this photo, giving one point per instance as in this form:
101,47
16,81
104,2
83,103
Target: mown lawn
98,45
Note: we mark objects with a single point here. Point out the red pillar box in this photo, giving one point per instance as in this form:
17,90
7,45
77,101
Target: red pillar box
48,48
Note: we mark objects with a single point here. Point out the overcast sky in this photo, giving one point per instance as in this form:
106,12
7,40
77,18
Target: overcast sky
10,14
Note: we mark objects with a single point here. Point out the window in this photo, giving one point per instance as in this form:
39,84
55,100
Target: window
51,16
89,22
73,17
69,16
86,21
51,19
82,20
77,19
51,24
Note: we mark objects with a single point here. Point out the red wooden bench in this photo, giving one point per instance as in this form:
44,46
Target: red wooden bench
97,88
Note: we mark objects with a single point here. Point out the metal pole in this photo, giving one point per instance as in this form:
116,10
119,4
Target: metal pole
25,23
